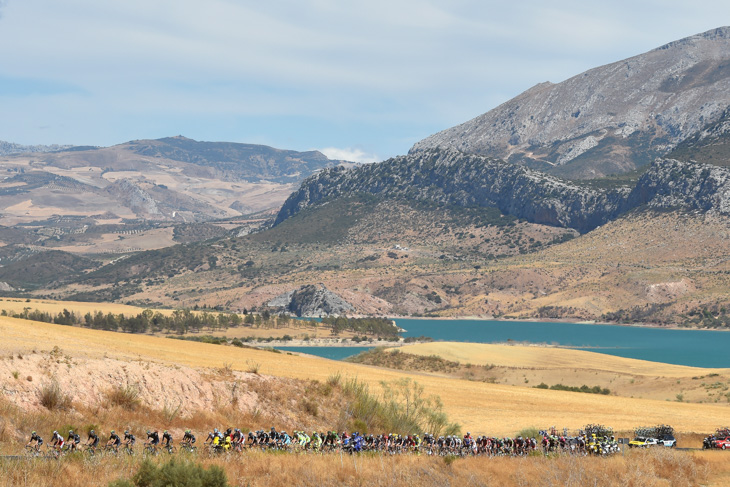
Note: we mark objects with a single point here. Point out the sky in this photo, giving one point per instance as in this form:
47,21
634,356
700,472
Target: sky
358,80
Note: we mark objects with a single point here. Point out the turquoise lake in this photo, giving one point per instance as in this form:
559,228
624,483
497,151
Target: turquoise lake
698,348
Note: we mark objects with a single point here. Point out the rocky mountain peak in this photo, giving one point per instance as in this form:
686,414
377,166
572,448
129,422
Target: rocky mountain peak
610,119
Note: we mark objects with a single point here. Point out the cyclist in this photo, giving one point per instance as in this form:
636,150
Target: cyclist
114,441
166,439
38,441
73,440
316,441
57,441
92,441
153,439
129,439
188,439
284,439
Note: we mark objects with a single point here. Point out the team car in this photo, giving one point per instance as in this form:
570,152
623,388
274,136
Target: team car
722,443
641,442
667,440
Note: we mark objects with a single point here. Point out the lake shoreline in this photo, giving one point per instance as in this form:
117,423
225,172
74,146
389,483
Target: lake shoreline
554,320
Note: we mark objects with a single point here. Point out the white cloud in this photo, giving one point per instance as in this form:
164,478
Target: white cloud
349,154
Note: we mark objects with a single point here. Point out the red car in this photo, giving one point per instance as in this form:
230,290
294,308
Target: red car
722,443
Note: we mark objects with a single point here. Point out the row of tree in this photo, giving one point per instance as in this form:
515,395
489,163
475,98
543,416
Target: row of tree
183,321
179,321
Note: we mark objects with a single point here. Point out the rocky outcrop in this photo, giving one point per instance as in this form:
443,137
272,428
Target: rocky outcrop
672,184
312,301
610,119
134,198
449,177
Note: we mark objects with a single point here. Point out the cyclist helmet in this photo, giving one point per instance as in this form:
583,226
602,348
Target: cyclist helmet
148,432
187,431
70,432
91,432
164,432
33,433
113,432
126,432
55,432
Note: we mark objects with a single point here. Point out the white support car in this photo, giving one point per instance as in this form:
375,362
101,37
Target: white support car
668,440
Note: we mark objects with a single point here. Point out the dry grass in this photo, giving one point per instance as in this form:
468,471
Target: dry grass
488,408
527,366
552,357
124,396
52,396
649,468
80,308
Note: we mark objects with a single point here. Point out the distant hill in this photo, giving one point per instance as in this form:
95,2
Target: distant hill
8,148
608,120
172,179
232,160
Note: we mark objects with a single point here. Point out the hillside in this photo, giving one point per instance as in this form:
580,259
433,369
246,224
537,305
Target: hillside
610,119
463,400
393,258
164,371
711,145
454,178
172,179
529,366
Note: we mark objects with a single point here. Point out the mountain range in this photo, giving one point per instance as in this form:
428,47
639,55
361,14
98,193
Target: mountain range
603,197
171,179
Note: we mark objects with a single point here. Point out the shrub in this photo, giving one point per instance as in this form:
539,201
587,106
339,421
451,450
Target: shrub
124,396
253,367
403,407
52,397
529,432
179,474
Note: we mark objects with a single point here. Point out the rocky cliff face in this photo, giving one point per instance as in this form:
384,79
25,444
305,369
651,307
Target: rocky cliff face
452,178
610,119
671,184
312,301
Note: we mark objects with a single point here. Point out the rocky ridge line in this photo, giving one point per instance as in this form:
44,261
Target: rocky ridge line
448,177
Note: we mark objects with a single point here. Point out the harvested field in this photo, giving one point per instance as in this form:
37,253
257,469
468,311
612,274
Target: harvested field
479,407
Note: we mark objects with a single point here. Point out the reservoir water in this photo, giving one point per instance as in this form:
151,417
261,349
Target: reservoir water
698,348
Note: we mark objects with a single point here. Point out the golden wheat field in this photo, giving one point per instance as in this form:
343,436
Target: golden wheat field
477,406
550,357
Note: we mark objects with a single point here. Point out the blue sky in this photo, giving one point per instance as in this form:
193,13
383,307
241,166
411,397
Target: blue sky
359,80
